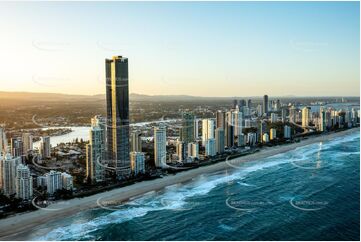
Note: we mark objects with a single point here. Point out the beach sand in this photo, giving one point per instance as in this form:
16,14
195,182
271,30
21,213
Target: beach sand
19,226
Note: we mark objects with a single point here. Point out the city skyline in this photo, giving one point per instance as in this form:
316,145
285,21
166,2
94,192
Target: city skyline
286,50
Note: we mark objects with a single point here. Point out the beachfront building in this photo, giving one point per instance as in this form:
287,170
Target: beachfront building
23,182
265,138
273,134
8,166
210,147
160,151
251,138
117,100
53,182
95,153
287,132
219,140
207,130
306,113
193,150
67,181
181,150
137,162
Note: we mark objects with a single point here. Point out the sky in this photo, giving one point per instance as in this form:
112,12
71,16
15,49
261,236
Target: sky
183,48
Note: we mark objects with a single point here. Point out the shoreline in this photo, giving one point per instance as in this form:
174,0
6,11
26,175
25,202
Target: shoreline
18,227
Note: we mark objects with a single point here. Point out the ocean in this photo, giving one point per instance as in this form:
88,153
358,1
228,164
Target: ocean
311,193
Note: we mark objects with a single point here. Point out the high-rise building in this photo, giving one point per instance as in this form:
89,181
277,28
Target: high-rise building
207,130
136,141
219,140
193,150
54,182
306,112
181,150
247,123
196,133
67,181
241,140
251,138
220,119
23,183
259,110
287,132
235,103
45,149
265,138
293,114
262,129
187,130
274,118
249,103
229,135
322,120
16,145
273,134
8,166
137,162
3,141
265,105
27,139
95,153
234,119
210,147
160,151
117,96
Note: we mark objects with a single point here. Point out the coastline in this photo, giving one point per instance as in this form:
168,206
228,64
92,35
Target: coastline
18,227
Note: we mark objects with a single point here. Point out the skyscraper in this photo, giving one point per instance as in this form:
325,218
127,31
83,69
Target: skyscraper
45,150
273,134
287,132
210,147
187,130
95,153
3,141
136,141
322,120
160,151
16,146
181,150
219,140
23,183
265,105
54,181
306,116
220,119
27,139
117,96
8,166
207,130
137,162
274,117
193,150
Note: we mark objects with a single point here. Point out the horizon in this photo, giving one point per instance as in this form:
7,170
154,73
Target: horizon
184,95
305,49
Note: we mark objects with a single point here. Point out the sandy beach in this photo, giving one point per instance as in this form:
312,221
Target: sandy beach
19,226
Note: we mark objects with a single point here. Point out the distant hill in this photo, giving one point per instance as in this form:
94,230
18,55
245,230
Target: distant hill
32,97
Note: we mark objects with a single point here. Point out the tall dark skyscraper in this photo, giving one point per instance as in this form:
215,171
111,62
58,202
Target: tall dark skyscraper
117,95
265,104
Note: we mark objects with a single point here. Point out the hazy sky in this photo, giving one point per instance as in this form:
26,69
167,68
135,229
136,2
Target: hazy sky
204,49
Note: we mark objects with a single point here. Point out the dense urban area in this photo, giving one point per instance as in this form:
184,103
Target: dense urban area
140,138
